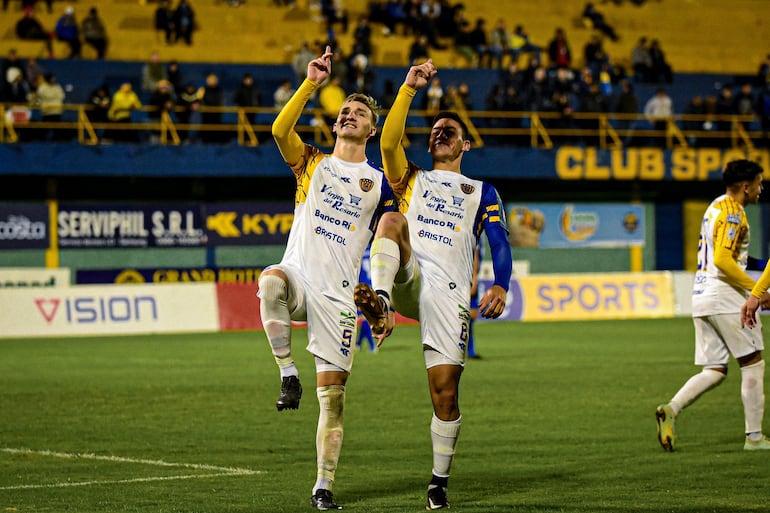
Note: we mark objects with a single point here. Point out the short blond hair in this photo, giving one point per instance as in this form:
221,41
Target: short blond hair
367,100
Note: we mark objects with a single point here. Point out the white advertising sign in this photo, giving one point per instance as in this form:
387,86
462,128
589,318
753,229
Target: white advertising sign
108,310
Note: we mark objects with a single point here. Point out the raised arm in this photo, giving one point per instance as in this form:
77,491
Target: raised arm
288,140
393,154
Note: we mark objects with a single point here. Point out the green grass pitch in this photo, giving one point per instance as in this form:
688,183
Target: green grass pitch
557,417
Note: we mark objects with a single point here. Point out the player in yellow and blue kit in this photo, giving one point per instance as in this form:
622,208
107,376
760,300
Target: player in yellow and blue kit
422,261
721,288
338,200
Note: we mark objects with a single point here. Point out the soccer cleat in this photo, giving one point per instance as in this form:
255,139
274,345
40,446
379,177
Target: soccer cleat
373,307
763,444
666,433
437,498
323,500
291,392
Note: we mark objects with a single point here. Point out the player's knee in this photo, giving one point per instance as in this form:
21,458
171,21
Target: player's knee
392,225
717,373
272,288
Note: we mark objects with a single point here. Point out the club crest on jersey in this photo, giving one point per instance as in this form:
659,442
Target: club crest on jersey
467,188
366,184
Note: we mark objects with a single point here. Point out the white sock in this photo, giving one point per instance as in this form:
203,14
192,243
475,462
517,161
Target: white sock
276,320
753,395
331,400
695,387
385,262
444,436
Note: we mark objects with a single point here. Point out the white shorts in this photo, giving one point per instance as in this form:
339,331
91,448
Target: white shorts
720,335
444,316
330,314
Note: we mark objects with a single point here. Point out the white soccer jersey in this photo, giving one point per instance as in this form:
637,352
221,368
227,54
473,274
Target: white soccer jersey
446,212
724,225
337,206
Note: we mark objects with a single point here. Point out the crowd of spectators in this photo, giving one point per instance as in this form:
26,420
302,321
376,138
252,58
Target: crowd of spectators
551,79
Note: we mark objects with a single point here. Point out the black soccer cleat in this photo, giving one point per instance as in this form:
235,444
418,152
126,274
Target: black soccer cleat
323,500
437,498
291,392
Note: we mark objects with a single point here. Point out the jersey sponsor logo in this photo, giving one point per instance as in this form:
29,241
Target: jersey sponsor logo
443,239
438,222
734,218
366,184
467,188
457,202
323,232
439,204
344,223
354,200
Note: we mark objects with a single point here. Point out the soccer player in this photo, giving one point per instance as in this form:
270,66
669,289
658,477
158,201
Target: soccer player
338,199
422,261
721,287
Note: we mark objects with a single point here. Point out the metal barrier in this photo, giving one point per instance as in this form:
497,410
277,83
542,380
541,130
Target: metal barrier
21,123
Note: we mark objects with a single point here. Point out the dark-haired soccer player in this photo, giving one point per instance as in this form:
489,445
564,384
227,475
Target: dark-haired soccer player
422,260
721,288
338,199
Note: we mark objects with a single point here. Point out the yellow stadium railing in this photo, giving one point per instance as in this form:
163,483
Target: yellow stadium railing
19,124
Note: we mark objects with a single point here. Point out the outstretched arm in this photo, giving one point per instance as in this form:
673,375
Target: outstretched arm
393,154
288,140
493,302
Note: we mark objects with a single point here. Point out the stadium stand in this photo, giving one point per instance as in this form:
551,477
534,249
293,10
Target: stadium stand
259,32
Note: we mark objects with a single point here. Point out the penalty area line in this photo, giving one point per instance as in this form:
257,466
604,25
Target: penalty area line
218,471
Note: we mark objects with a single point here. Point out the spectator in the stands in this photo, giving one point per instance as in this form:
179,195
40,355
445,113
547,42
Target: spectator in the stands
282,94
187,103
660,70
153,72
463,43
334,12
302,58
559,51
164,22
362,38
248,95
763,111
419,51
161,101
641,62
594,55
50,98
627,104
14,88
658,110
34,73
520,43
763,73
124,103
360,75
212,100
94,32
12,60
499,42
175,76
744,103
29,28
597,21
99,101
696,107
331,97
479,43
184,22
67,30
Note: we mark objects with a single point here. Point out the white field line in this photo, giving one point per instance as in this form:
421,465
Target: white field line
218,471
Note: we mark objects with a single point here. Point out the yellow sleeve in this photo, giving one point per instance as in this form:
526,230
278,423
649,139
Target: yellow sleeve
393,154
288,140
723,259
762,284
